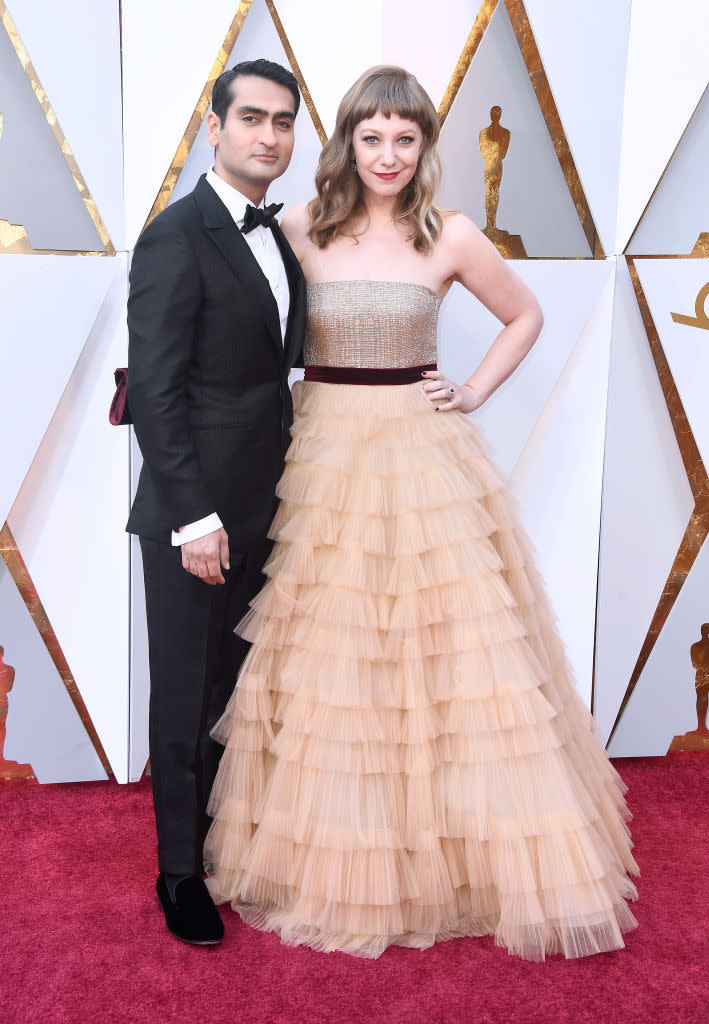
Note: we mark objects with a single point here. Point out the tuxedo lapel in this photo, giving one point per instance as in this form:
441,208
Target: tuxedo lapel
231,243
296,285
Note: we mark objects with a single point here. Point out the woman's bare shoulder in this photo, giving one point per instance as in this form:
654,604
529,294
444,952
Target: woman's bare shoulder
457,228
295,226
296,220
462,243
466,254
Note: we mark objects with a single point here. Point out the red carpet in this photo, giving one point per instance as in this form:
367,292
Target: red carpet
82,939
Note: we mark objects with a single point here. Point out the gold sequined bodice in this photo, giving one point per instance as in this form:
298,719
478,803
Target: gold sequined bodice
378,324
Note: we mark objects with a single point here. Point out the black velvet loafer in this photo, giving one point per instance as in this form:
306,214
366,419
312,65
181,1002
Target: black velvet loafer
192,917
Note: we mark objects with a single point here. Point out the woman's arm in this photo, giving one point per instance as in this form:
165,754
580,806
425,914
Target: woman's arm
477,265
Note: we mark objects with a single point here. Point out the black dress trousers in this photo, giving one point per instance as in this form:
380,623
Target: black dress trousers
195,657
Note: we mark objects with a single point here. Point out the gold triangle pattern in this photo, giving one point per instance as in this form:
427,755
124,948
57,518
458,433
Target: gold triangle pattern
305,91
200,111
19,572
537,76
69,158
701,246
698,526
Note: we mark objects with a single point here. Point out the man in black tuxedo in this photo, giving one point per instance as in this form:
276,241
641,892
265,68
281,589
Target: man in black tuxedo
215,317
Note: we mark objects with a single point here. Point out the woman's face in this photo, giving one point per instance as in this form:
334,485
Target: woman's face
387,153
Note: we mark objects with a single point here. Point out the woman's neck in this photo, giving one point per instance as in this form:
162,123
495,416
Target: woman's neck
379,210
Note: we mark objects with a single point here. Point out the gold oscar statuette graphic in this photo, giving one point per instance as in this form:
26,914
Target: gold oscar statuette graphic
8,769
13,237
698,739
701,317
494,143
537,76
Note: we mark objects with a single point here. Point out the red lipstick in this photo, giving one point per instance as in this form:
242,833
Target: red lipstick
387,177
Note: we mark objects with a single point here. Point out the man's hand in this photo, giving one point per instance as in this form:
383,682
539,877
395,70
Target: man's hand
206,556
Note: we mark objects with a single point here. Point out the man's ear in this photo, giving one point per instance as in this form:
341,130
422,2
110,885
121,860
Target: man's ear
213,128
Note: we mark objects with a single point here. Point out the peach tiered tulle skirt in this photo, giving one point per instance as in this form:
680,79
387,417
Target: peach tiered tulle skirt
407,759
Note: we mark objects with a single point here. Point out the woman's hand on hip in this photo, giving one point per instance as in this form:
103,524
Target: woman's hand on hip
446,395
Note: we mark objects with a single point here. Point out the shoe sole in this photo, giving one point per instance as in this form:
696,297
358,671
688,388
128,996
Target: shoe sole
194,942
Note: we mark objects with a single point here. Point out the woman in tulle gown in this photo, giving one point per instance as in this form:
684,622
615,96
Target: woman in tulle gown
406,758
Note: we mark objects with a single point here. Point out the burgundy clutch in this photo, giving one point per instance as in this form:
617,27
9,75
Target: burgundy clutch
119,413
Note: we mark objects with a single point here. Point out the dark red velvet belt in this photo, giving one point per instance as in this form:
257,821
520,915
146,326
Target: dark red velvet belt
363,375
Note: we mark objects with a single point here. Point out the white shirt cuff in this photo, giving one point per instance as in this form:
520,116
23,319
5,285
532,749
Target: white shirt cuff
193,531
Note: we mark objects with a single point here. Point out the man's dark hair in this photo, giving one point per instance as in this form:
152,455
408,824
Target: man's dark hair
222,93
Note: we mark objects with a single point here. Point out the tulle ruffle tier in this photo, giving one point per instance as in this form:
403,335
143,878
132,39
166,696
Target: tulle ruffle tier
406,758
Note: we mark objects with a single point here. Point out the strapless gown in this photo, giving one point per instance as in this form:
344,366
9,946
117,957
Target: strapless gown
406,757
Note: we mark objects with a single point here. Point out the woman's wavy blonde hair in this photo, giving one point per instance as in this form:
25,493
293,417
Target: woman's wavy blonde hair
386,90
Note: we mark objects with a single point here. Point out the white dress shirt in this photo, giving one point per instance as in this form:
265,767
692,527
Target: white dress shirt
268,256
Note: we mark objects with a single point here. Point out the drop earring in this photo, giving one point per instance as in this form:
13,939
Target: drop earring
354,165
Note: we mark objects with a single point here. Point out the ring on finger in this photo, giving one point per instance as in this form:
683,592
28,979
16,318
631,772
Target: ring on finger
451,391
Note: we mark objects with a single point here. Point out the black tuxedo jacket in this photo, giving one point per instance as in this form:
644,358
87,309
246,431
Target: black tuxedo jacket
208,372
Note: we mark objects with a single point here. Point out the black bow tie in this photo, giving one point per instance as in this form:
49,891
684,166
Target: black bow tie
255,215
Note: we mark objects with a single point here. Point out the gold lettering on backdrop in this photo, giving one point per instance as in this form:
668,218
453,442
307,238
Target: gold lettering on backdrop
701,317
8,769
494,143
698,739
13,237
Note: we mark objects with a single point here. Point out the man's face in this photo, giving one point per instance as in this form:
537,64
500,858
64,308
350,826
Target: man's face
255,142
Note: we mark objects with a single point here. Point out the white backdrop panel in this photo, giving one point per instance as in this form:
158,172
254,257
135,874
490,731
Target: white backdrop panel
333,52
409,26
467,328
646,504
667,74
558,483
663,704
37,188
43,727
169,48
333,46
68,521
552,409
48,306
593,36
671,286
75,47
534,198
679,209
